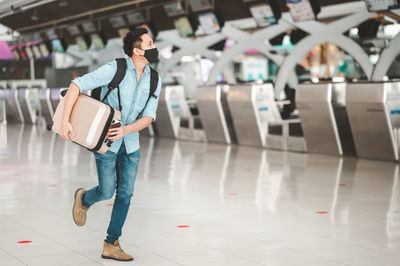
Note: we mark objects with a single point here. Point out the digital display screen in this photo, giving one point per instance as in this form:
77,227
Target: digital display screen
300,10
135,18
29,52
44,50
174,9
263,15
97,41
381,5
22,54
117,22
16,54
73,30
88,27
36,36
209,23
122,32
36,51
82,44
58,46
200,5
51,34
183,26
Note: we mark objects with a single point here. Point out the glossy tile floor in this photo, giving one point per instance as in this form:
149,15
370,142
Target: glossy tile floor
239,206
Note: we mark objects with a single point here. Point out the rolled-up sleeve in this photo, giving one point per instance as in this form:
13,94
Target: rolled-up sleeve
151,108
97,78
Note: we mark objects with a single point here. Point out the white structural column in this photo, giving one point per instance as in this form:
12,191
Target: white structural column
321,33
246,41
386,59
191,47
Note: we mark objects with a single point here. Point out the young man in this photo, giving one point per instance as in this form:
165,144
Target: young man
124,151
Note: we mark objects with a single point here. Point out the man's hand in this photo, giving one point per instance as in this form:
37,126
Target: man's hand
117,133
66,129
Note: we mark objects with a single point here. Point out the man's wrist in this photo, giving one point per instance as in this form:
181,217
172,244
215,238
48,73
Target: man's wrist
127,129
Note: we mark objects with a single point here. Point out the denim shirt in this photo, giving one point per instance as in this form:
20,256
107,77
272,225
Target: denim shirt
133,97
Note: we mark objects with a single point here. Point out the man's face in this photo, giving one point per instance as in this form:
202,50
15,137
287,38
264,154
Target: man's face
147,43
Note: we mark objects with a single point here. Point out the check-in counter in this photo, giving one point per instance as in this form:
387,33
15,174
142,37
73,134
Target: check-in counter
28,97
3,87
374,114
13,108
174,118
167,120
258,122
248,105
55,97
47,110
214,114
324,119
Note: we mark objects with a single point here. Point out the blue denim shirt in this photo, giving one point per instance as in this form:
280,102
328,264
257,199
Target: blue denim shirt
133,97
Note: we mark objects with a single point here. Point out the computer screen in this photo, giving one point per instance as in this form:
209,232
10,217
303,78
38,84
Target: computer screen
183,26
135,18
29,52
51,34
36,51
44,50
16,53
174,9
200,5
73,30
117,22
263,15
209,23
300,10
58,46
381,5
88,27
22,54
82,43
97,41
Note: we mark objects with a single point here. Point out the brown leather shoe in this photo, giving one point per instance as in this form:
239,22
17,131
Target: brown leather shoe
115,252
79,211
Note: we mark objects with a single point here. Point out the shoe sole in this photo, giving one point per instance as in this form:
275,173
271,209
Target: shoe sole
73,207
111,258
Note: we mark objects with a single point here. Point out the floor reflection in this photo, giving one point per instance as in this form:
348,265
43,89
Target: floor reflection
345,199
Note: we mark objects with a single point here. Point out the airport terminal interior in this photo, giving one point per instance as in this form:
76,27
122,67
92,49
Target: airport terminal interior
276,140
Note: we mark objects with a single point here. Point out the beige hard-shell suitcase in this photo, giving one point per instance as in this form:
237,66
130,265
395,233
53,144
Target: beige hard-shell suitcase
90,120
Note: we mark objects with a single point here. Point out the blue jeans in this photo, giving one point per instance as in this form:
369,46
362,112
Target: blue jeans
116,171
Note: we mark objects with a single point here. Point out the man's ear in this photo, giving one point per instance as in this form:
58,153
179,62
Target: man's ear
136,51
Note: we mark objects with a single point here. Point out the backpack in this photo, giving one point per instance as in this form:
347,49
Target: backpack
118,77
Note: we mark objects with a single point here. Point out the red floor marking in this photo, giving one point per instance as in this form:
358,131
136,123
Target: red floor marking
110,204
233,194
322,212
52,185
23,242
183,226
249,170
342,185
154,176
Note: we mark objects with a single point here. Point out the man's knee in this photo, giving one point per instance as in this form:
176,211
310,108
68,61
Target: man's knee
105,193
123,197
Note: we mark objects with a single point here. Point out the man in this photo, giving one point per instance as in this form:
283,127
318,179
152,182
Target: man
124,151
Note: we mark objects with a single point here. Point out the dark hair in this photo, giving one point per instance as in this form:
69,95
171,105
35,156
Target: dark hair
133,40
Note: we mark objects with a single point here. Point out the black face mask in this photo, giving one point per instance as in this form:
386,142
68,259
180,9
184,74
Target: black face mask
151,55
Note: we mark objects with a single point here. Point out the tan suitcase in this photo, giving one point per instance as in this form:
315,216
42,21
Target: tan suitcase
90,120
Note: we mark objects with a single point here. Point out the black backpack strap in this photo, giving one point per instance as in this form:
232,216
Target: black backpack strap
153,88
118,77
